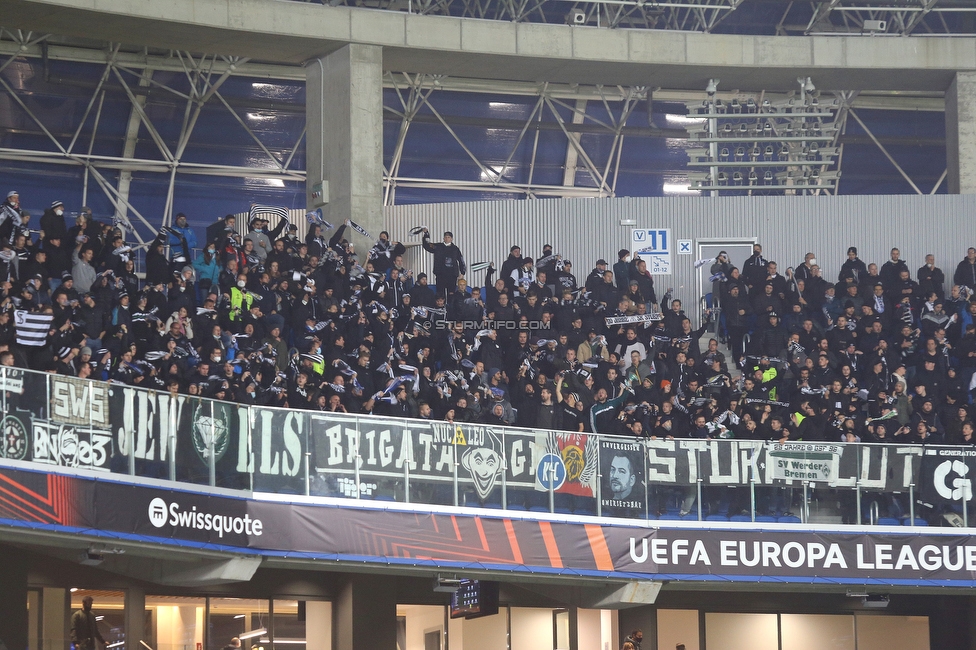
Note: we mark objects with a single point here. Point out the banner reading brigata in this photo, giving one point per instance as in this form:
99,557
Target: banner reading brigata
358,535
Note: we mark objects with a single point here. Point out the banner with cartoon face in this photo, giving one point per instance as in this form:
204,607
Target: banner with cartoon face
490,457
622,491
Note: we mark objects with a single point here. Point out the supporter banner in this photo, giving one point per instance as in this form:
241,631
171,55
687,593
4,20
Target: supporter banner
806,462
636,318
386,453
12,380
569,463
946,476
275,449
79,401
25,437
369,535
889,468
153,426
622,471
206,428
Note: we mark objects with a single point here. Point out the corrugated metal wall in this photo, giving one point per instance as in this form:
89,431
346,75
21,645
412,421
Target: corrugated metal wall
584,230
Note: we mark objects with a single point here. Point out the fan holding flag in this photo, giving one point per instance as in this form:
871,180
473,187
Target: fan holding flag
259,234
448,262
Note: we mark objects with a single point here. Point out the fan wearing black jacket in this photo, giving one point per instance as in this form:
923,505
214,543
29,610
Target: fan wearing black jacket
448,262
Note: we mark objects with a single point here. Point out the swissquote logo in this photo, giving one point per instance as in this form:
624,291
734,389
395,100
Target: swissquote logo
161,513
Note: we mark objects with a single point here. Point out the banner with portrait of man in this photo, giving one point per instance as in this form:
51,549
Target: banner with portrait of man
622,491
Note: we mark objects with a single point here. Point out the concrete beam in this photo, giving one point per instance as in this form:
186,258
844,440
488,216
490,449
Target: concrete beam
295,32
344,137
960,117
95,52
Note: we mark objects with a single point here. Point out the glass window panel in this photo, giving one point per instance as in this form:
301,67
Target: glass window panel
289,625
175,622
244,618
109,610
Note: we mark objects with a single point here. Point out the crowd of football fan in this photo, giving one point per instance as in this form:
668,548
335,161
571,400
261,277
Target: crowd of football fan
271,319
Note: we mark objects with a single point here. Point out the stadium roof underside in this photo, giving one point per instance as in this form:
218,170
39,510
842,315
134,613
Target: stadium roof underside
474,109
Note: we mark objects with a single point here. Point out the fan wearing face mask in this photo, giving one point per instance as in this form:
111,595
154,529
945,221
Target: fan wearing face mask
54,225
805,271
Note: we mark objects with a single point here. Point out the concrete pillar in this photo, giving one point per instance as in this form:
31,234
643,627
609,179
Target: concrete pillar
960,117
135,617
344,141
364,614
13,603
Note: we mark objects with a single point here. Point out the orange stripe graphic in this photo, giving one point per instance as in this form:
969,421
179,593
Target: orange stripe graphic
554,558
516,551
457,531
598,544
481,533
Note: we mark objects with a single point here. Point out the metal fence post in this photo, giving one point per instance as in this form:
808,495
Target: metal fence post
911,502
171,443
250,442
212,466
504,472
454,464
698,487
358,460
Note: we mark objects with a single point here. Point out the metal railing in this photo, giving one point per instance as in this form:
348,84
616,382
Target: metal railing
55,421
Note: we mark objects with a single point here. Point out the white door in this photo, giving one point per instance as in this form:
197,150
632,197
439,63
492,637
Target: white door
738,250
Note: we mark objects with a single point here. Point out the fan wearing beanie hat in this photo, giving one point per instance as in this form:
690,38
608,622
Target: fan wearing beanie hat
53,224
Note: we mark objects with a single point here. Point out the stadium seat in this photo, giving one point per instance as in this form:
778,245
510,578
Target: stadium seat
918,522
788,519
716,518
889,521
